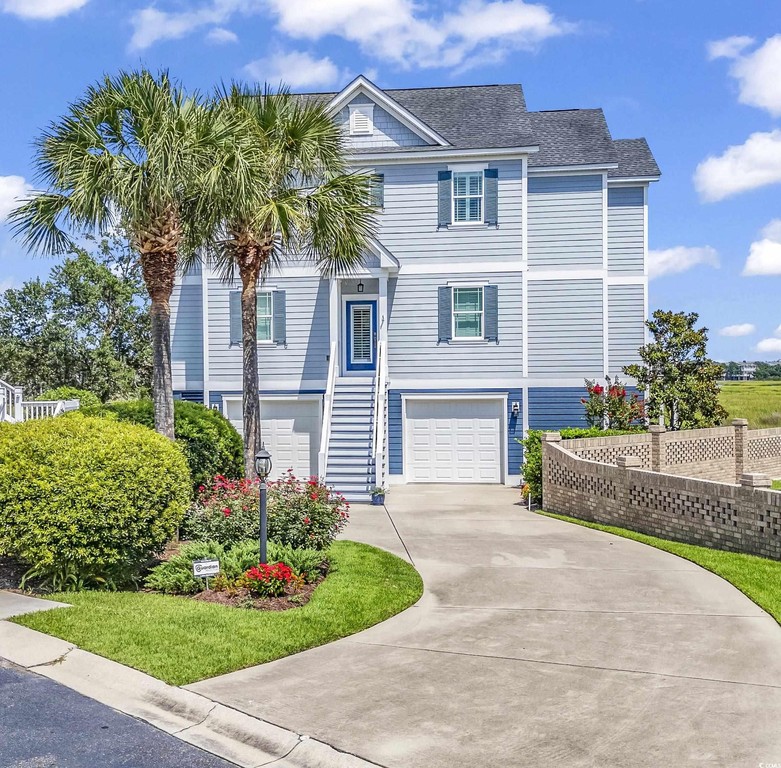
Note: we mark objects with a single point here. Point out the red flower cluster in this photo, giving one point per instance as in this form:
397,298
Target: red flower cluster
265,572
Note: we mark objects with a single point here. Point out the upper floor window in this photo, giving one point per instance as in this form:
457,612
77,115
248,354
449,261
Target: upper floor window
468,197
361,119
265,316
468,312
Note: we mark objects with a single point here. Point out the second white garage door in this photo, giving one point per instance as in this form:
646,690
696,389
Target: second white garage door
453,441
290,430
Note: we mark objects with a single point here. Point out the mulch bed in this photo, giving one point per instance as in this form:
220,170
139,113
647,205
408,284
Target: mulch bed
243,599
11,573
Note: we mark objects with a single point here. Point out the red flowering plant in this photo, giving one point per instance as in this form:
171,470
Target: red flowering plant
269,580
301,513
612,407
305,513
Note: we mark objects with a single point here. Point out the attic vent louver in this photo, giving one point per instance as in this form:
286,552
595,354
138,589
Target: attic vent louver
361,119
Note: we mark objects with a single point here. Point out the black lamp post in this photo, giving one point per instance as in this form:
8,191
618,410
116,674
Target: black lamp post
263,468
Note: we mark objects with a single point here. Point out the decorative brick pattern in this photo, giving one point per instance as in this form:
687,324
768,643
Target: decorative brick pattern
697,450
583,482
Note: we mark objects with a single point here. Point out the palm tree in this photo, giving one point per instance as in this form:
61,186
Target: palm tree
281,185
128,156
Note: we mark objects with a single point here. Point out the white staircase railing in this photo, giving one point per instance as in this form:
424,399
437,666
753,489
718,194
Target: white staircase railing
328,403
10,402
380,398
14,409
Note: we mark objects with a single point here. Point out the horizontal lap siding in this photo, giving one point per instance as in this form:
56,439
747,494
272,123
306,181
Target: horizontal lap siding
625,235
565,328
556,408
626,325
565,221
187,336
408,225
413,350
308,342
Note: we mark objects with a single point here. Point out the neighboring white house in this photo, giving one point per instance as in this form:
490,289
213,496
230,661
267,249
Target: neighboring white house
510,263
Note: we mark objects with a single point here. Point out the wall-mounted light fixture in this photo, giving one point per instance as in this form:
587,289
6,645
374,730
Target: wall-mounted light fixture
360,286
516,408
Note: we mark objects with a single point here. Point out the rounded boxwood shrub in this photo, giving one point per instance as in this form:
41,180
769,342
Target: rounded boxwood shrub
86,398
209,441
86,501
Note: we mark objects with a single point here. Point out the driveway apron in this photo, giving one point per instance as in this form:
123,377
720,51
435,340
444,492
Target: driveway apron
536,643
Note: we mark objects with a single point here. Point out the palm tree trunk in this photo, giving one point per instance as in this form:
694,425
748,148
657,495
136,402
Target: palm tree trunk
249,271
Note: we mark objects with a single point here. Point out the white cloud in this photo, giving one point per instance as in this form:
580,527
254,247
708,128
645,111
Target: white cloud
756,163
220,35
730,47
742,329
764,256
681,258
12,189
296,69
398,31
41,9
769,345
757,73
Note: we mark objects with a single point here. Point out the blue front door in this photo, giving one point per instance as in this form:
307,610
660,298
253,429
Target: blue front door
361,335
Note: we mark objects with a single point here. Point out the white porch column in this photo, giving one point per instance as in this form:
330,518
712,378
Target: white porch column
382,307
333,310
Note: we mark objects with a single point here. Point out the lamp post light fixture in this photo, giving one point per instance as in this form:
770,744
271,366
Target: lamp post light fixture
263,468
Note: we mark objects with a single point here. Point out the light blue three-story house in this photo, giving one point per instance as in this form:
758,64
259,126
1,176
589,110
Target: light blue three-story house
509,264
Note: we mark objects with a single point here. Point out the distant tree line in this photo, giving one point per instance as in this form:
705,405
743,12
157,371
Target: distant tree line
764,371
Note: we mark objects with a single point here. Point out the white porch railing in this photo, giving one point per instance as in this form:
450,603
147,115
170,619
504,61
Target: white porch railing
380,415
14,409
328,401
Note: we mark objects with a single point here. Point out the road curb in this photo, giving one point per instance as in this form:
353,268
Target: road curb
234,736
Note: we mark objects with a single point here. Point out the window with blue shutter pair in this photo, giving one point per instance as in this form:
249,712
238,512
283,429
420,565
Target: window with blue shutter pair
468,197
272,316
469,313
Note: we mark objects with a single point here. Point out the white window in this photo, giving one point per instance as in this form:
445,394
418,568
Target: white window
265,305
468,197
361,119
468,312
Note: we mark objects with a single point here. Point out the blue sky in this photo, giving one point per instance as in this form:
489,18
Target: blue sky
701,80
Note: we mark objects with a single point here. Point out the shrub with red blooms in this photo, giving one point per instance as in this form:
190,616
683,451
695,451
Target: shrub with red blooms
305,514
268,580
611,409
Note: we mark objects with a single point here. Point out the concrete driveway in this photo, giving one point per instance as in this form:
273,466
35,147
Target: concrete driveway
537,643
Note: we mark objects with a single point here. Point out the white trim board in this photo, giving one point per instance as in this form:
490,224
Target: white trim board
359,160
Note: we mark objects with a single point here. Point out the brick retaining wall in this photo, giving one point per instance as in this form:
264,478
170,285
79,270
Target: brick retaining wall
738,518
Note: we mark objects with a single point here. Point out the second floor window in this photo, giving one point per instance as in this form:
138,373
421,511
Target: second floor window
265,316
468,313
468,197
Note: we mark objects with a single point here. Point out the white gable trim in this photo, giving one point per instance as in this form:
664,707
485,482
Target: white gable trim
387,259
362,85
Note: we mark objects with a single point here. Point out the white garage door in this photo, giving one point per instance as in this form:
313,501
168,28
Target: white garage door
290,430
454,441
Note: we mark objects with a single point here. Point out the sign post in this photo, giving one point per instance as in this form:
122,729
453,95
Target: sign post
202,569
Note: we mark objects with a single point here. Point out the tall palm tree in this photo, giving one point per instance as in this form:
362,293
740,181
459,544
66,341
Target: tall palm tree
129,155
281,186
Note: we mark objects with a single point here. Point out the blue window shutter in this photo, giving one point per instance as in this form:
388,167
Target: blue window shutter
445,198
491,304
445,314
378,190
280,317
491,192
234,305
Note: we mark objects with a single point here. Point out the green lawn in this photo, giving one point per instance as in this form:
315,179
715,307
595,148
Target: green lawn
757,401
757,577
180,640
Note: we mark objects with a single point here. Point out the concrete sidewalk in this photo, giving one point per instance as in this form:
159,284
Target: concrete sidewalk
537,643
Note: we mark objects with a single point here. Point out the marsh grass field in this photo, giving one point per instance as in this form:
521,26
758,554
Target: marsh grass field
757,401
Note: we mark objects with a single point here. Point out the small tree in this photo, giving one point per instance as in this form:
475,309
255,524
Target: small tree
612,407
681,380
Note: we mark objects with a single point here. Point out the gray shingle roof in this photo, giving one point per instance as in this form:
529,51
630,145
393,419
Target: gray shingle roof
634,159
495,116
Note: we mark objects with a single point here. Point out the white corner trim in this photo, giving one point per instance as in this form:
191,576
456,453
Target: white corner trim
404,116
205,333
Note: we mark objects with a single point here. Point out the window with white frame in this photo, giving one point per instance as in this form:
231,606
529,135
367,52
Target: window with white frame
265,316
468,312
468,197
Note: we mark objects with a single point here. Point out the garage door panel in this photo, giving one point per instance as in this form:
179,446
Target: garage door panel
454,440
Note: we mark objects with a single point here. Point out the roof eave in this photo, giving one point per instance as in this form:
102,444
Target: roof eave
446,153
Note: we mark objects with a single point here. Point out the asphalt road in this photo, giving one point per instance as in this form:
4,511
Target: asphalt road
45,725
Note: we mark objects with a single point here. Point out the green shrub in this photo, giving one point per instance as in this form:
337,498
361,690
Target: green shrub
175,576
209,441
87,501
86,398
531,469
301,514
